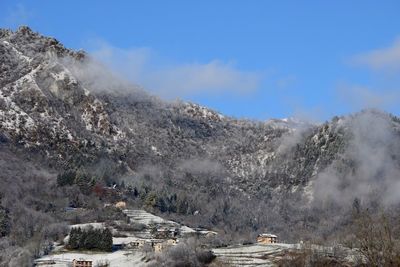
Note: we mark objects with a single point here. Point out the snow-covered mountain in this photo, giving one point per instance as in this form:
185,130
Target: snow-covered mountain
59,104
45,107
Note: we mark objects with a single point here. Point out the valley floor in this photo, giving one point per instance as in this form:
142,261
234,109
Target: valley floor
251,255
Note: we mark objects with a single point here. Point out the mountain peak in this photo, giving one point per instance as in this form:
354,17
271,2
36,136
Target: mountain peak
23,29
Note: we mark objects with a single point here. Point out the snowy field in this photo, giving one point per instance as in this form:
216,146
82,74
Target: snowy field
123,258
87,225
250,255
146,218
115,259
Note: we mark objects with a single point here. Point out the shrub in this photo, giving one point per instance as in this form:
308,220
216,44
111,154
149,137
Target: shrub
4,222
66,178
205,257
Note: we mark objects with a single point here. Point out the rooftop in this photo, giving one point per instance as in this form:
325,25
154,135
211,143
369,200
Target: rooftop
267,235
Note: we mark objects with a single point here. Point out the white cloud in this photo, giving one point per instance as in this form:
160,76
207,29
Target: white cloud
213,77
381,59
382,88
144,67
360,97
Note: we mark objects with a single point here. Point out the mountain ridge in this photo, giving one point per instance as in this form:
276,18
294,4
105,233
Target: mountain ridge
47,96
237,176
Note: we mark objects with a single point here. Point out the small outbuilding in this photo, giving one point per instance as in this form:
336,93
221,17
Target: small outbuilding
137,243
267,239
82,263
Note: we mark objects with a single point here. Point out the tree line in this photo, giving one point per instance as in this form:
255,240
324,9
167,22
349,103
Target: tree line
90,239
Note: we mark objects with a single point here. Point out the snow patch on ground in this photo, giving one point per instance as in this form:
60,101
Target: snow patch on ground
19,54
13,117
121,258
251,255
146,218
203,112
87,225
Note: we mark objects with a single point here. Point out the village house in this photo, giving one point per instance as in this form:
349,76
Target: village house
120,205
165,232
137,243
267,239
81,263
159,247
204,232
173,232
172,242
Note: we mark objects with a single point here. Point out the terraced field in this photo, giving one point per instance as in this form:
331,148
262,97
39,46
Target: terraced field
115,259
146,218
251,255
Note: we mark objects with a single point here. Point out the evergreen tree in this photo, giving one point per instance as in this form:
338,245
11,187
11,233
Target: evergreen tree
66,178
4,222
106,240
74,238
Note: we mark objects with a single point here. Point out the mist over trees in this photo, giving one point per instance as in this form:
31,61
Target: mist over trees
67,137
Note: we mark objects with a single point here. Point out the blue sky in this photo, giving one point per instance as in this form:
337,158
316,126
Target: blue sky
254,59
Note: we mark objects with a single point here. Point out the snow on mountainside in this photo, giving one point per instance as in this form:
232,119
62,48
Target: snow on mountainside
41,101
46,106
73,136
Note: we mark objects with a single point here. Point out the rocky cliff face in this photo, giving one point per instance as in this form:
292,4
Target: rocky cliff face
47,107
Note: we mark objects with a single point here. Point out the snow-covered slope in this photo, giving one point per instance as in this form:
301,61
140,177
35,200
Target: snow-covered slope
51,104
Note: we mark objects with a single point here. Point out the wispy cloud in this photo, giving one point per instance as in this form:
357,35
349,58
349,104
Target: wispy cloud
18,15
145,67
380,88
361,97
286,81
387,58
